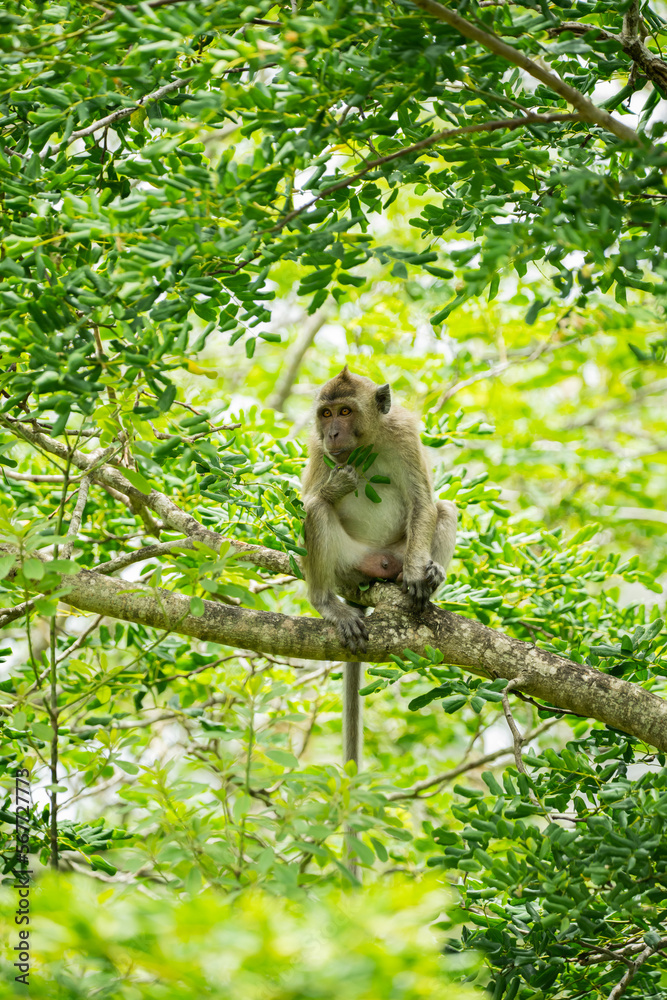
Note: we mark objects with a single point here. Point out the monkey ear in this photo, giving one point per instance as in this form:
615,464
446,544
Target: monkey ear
383,398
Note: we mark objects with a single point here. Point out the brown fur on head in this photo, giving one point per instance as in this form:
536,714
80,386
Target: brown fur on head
349,409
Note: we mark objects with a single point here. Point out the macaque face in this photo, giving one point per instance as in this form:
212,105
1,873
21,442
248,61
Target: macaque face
337,422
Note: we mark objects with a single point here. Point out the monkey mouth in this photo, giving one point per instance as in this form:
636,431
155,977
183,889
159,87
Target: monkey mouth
341,456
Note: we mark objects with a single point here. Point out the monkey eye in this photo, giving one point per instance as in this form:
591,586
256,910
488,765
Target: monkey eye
345,410
326,413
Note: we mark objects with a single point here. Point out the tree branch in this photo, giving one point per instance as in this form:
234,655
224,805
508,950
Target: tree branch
393,627
118,115
630,40
517,738
588,111
414,792
75,524
633,969
448,133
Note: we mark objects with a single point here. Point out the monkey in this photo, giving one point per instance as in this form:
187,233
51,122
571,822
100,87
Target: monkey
408,537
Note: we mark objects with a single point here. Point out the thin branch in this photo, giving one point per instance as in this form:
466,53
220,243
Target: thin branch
581,28
630,973
172,515
450,133
271,559
653,389
112,478
257,588
498,369
8,615
75,524
117,115
518,739
140,555
588,111
23,477
630,40
471,765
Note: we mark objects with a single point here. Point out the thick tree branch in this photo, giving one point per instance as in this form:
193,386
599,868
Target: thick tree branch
588,111
393,627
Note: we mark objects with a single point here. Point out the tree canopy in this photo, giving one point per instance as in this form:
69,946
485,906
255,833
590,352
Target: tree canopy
207,208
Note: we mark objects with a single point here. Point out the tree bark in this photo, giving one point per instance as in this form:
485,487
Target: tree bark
393,627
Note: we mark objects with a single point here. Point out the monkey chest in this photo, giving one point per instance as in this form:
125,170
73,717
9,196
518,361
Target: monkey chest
375,524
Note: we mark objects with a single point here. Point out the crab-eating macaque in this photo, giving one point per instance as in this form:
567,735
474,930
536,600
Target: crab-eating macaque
351,539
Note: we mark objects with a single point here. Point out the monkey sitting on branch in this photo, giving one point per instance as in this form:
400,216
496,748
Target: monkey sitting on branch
351,537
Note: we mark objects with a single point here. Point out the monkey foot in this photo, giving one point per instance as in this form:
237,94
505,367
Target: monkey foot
421,590
353,634
434,575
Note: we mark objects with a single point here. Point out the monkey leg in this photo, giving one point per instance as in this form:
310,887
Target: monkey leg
442,549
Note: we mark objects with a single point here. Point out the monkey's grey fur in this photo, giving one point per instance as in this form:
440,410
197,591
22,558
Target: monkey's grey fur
346,533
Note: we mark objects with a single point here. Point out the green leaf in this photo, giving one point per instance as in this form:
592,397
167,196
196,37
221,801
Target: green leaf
127,766
138,481
99,864
453,703
371,494
33,569
42,731
282,757
196,607
6,565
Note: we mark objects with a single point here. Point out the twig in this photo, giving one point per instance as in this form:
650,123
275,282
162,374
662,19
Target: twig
75,523
471,765
140,555
450,133
653,389
581,28
517,738
117,115
498,370
631,972
257,588
8,615
23,477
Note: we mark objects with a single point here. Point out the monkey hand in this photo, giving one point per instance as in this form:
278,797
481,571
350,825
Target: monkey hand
343,480
421,586
352,631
